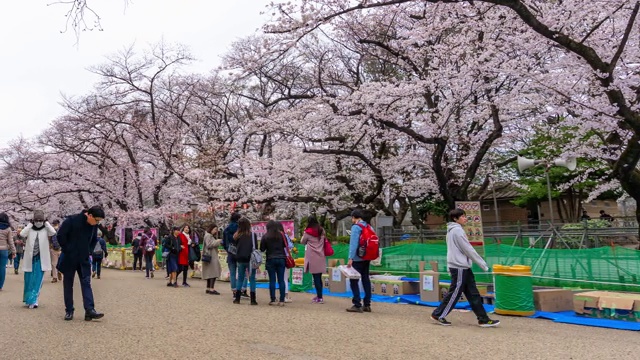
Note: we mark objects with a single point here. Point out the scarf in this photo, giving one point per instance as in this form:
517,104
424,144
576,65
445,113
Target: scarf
188,238
315,232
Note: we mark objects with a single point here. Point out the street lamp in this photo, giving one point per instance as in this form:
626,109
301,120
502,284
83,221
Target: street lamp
569,163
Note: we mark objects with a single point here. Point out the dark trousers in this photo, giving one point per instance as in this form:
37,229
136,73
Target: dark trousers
211,283
137,259
363,268
462,282
317,282
96,265
16,261
184,269
275,268
148,261
84,275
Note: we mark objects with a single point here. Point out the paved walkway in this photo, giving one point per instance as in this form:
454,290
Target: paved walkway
146,320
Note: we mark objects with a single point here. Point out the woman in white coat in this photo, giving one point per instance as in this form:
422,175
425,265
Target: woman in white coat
37,257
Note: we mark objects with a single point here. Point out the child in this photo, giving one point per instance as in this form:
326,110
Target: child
460,255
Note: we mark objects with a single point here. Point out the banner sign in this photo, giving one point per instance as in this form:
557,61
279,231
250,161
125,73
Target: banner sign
260,227
473,228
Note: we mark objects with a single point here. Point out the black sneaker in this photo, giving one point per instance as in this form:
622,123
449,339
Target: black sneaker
366,309
185,285
68,316
489,323
244,294
355,309
441,321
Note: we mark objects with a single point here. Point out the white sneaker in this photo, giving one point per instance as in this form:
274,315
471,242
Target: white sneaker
288,300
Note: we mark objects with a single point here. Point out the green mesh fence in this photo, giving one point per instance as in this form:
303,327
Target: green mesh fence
606,268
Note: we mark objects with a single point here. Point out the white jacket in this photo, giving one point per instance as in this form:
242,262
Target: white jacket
43,240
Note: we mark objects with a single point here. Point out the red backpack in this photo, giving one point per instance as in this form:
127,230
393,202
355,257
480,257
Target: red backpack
369,248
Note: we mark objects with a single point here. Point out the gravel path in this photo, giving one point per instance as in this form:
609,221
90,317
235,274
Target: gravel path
145,319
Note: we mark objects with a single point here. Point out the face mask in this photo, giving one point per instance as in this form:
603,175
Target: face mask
38,223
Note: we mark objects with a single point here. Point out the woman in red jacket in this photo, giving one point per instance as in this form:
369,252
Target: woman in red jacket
183,257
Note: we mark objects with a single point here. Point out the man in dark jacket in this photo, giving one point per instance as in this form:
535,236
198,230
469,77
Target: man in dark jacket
77,237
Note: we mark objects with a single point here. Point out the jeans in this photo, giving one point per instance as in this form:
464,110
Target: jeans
137,259
317,282
4,257
233,275
16,261
363,268
275,268
96,266
84,273
148,261
242,271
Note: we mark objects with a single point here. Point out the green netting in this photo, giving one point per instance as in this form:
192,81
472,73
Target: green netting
609,268
606,268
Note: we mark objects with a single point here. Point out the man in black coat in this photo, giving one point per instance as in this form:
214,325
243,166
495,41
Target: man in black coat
77,237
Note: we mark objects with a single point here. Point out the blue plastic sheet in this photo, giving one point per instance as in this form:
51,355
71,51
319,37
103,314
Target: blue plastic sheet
570,317
564,317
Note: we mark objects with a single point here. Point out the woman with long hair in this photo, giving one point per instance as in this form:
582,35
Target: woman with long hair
174,247
7,246
274,243
211,270
183,258
314,258
37,257
245,243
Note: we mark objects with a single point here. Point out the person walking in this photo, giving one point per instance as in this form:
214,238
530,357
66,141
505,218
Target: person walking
228,239
245,243
78,236
19,243
183,256
315,262
149,248
175,248
460,255
166,247
99,253
273,243
37,257
7,246
136,251
361,266
55,253
211,269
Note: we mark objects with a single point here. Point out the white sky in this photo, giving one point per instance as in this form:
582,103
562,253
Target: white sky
38,62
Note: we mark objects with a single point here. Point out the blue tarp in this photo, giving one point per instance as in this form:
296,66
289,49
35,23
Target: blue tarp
570,317
564,317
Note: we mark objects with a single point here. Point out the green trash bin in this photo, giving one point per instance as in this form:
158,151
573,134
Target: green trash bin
299,281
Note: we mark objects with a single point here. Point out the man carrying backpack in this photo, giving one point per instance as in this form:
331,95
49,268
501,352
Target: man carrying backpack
361,265
460,255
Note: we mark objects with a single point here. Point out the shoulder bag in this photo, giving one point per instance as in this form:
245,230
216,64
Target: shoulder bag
256,255
288,261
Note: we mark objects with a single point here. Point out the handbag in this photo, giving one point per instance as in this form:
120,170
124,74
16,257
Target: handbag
289,263
206,258
256,255
328,249
165,254
193,256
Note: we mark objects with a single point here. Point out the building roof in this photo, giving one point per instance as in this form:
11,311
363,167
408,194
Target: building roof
504,191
